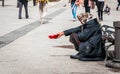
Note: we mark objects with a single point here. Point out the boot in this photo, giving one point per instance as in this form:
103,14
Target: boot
116,8
76,56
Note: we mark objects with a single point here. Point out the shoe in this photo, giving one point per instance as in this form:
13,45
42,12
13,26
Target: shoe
100,19
20,18
74,20
77,56
27,17
116,8
92,59
43,22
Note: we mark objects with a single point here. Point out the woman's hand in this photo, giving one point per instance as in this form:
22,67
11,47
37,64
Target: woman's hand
60,34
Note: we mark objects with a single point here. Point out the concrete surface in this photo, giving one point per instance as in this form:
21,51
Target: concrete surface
26,49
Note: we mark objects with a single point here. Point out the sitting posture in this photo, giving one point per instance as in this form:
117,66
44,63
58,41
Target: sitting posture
87,39
107,10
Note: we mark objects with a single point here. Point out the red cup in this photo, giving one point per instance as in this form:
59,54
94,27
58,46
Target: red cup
54,36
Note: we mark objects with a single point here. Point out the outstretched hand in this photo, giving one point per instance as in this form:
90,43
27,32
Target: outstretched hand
55,36
60,34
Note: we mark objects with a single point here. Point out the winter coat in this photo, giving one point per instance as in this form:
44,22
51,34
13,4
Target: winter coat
90,36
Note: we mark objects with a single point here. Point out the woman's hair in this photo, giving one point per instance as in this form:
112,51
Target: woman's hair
83,17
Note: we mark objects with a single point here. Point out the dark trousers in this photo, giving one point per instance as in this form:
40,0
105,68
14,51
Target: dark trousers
100,6
34,3
87,7
118,4
20,9
74,39
17,3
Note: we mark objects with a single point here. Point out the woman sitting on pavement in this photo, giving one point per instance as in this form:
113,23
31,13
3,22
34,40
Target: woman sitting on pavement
87,39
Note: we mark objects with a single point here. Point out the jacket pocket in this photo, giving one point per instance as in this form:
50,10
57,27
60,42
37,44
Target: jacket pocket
86,49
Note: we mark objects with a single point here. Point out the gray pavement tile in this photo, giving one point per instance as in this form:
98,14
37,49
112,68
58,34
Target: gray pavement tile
31,52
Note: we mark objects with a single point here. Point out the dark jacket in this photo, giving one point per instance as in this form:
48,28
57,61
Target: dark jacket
90,37
118,0
23,1
73,1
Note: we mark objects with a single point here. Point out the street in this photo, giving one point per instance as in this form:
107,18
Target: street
26,49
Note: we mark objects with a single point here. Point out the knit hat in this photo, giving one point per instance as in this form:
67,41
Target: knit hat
84,17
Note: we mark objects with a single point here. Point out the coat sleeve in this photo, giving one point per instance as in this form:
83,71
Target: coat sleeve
87,32
72,30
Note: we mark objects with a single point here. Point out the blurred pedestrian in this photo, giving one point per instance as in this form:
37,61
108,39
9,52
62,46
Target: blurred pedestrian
100,6
74,9
17,3
86,5
25,4
118,5
42,9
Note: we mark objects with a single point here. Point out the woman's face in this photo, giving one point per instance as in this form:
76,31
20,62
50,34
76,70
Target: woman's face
83,17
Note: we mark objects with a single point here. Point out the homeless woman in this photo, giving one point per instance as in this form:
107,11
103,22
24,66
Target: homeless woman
87,39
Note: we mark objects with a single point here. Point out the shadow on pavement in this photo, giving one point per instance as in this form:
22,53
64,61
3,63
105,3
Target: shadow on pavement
65,46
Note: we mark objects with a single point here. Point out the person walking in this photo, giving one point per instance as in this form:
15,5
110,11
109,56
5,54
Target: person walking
74,9
100,6
118,5
21,4
42,9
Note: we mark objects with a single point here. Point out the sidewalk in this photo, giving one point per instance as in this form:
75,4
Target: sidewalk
35,53
9,16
